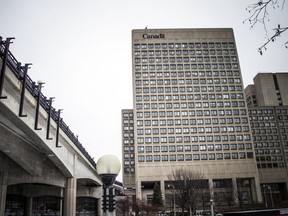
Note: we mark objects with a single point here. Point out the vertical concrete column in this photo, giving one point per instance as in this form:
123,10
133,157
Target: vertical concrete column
28,206
211,189
138,190
61,201
235,191
3,191
70,197
99,203
255,186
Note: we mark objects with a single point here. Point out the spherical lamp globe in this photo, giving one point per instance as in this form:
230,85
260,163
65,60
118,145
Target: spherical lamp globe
108,167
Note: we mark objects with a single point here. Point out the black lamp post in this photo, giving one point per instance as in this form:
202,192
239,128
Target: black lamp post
108,167
40,85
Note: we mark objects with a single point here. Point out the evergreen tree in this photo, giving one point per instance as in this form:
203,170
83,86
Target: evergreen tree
157,196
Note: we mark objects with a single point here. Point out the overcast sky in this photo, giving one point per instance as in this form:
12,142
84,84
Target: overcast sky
81,49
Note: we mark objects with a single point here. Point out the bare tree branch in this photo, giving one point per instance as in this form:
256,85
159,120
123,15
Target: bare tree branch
188,185
259,14
278,32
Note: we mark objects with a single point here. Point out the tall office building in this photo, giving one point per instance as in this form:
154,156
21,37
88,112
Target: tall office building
269,89
128,153
267,101
190,111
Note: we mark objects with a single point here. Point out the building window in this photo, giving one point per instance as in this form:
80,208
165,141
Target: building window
141,158
172,157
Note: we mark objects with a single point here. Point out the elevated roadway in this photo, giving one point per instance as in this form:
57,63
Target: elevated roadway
43,166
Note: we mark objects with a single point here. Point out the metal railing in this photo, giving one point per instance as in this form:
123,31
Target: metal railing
31,86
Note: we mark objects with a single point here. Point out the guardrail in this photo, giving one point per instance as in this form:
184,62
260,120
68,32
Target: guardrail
31,86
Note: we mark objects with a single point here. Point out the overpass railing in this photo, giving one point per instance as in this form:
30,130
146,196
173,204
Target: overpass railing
34,90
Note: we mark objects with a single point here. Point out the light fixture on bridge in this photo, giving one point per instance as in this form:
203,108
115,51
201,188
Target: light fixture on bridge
40,84
49,117
24,81
108,167
4,62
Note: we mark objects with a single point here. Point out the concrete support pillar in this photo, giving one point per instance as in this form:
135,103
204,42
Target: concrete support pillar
235,191
138,190
99,203
211,189
61,201
70,197
3,191
28,206
255,185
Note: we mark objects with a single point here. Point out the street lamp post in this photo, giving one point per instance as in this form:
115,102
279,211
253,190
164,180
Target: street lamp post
190,210
271,197
171,185
265,198
108,167
212,207
40,86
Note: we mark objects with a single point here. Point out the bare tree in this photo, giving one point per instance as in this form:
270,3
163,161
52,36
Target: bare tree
123,205
188,185
259,13
204,198
141,205
226,194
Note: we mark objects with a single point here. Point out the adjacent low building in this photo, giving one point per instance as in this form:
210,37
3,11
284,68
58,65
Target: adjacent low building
267,101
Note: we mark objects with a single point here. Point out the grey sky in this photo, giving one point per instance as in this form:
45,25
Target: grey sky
81,49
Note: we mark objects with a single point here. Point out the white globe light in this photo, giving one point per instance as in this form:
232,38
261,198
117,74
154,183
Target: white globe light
108,164
108,167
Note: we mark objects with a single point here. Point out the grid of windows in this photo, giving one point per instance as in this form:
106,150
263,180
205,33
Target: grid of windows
128,141
269,126
190,94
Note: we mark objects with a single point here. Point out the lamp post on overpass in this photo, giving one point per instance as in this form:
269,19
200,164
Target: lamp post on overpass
40,86
108,167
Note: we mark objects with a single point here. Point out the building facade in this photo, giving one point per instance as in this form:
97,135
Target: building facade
128,153
268,111
189,111
269,89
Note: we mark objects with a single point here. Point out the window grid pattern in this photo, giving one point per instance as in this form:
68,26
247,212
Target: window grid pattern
189,103
128,141
269,128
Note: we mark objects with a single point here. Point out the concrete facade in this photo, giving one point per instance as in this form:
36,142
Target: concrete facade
269,124
128,153
270,89
189,109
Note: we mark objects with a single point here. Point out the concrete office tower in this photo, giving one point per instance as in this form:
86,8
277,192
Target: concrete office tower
128,152
269,89
269,124
190,110
250,93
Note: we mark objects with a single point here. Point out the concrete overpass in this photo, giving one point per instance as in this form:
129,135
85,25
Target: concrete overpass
43,167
